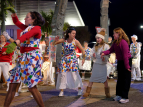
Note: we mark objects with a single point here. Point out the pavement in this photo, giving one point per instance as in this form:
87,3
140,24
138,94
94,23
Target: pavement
96,99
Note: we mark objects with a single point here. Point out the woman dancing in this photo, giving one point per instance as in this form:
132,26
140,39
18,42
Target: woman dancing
29,69
68,72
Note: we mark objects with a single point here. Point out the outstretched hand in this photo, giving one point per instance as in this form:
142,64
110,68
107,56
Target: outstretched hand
10,48
6,35
56,38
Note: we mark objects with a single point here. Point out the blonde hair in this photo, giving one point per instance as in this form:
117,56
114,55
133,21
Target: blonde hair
4,37
122,35
97,45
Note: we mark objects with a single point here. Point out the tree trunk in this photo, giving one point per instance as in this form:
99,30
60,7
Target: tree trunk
3,28
104,17
57,26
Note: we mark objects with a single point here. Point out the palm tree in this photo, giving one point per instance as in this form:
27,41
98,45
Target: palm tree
5,5
46,28
66,26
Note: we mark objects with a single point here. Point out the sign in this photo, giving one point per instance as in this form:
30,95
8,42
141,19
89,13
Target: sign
98,29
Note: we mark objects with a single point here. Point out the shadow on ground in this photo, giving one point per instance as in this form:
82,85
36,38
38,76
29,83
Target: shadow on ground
135,97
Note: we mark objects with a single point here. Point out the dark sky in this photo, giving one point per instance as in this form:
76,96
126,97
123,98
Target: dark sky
127,14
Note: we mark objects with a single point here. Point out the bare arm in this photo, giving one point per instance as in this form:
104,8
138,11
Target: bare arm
59,41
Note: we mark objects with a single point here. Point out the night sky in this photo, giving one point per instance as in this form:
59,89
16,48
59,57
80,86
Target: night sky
126,14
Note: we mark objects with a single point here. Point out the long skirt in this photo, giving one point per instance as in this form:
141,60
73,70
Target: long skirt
69,80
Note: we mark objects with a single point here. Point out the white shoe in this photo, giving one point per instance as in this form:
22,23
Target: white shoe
124,101
61,93
80,92
138,79
117,98
31,96
16,94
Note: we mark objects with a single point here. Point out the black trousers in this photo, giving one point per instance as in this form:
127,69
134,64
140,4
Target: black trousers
123,80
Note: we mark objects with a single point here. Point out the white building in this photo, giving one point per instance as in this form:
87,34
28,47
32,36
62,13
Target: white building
72,15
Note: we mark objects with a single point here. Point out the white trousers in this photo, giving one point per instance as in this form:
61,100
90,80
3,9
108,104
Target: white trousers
49,75
4,68
136,73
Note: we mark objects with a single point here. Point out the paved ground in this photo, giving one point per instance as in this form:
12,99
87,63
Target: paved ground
96,99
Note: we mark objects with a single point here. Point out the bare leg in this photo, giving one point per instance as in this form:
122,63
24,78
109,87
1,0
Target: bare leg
83,74
90,73
37,96
18,87
10,94
106,84
90,84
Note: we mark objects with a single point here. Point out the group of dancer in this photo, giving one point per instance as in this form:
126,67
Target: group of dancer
29,66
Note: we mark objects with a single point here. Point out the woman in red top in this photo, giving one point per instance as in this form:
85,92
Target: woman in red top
5,59
29,68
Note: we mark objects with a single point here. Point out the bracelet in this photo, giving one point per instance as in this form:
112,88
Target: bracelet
15,43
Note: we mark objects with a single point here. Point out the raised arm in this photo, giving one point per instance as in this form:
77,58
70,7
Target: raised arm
17,22
58,41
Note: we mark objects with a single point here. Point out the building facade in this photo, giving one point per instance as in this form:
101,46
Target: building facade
73,16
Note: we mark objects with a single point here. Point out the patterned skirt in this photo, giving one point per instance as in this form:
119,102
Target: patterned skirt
28,70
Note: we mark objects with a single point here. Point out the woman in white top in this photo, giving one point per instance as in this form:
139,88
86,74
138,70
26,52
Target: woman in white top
99,71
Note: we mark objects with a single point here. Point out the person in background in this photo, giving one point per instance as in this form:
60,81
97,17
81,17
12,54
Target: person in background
121,48
135,49
87,65
110,42
45,70
5,59
51,69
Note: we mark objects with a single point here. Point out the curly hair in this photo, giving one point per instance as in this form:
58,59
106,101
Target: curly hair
122,35
39,20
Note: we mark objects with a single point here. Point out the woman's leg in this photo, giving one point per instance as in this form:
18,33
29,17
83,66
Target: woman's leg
17,88
107,89
90,84
10,94
88,89
106,84
37,96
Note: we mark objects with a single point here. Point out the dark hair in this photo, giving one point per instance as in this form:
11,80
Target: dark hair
85,42
69,30
39,20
